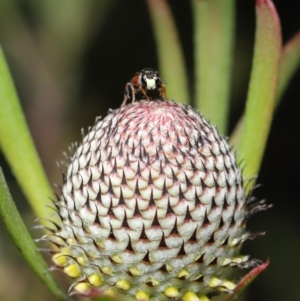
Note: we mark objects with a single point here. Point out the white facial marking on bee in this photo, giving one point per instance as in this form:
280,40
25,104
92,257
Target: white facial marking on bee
151,82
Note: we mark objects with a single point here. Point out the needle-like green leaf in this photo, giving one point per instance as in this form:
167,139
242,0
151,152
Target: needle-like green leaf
13,223
262,89
289,63
214,24
17,145
170,53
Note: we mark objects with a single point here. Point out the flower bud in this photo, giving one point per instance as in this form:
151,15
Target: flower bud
152,206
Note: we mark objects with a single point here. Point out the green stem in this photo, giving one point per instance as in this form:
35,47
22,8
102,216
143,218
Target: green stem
214,26
18,147
170,54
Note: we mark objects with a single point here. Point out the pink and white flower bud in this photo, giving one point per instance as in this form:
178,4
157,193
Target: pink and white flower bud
152,206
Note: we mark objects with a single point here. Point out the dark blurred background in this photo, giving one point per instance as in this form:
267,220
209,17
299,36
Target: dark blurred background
70,61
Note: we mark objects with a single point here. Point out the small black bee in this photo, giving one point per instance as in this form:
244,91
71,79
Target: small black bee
146,84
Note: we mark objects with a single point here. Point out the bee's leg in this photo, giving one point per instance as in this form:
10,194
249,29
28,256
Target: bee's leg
132,92
144,93
127,94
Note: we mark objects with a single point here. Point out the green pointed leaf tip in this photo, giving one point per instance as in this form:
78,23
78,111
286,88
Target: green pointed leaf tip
262,88
289,63
18,147
246,281
14,225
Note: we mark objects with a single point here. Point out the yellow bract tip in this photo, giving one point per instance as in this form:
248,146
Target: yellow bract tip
117,259
59,259
82,287
226,261
240,259
171,292
72,270
106,270
189,296
123,284
228,284
233,242
183,273
135,271
214,281
95,280
81,260
142,296
65,251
